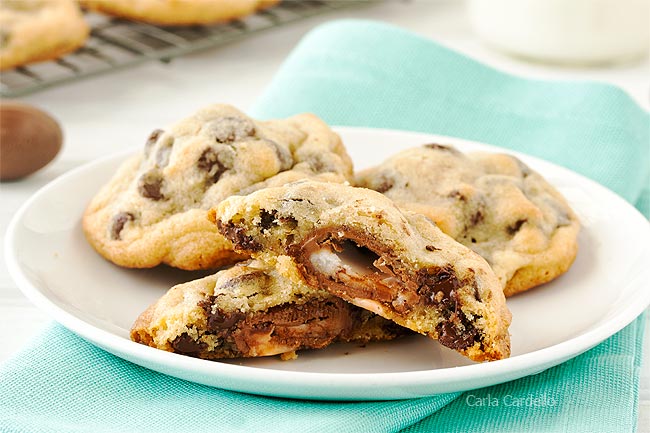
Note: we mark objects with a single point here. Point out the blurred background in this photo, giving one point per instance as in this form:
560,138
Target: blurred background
605,40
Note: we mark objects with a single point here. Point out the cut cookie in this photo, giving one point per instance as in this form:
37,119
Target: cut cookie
490,202
37,30
154,209
255,309
359,246
178,12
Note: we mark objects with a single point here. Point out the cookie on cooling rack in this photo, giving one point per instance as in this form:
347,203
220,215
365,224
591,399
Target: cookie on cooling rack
38,30
178,12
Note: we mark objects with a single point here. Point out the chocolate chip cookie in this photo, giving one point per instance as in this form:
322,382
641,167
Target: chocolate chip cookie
178,12
37,30
254,309
356,244
490,202
154,209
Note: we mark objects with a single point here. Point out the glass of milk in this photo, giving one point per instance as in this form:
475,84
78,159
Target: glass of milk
574,32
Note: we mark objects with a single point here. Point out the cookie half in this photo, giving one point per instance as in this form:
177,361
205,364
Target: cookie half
154,209
178,12
356,244
490,202
38,30
254,309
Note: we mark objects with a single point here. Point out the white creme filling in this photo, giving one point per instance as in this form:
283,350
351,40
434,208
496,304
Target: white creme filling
351,261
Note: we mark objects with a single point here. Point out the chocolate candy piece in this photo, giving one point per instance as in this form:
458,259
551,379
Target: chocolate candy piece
358,246
238,236
252,309
450,334
29,140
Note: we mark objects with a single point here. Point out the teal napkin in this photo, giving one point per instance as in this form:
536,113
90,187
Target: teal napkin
369,74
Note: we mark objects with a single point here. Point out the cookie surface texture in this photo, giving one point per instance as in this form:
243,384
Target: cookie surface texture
154,209
490,202
254,309
178,12
38,30
356,244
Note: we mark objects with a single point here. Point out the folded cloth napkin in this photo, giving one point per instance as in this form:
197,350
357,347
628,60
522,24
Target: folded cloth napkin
369,74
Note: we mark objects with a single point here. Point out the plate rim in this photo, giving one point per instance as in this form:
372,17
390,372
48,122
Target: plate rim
512,368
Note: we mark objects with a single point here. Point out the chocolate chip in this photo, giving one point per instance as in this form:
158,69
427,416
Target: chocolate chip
476,217
267,219
230,129
153,138
219,320
186,344
164,152
238,236
210,163
5,38
282,153
150,185
514,228
385,184
119,221
457,333
435,146
431,281
431,248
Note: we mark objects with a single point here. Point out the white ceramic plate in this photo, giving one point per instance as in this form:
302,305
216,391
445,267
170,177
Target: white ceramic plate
604,290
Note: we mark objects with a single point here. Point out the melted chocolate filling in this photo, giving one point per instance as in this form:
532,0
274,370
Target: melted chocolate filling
283,328
348,265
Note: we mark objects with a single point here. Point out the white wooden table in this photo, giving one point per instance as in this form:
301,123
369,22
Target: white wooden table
109,113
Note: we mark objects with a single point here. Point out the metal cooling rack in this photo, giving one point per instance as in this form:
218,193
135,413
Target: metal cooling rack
116,43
